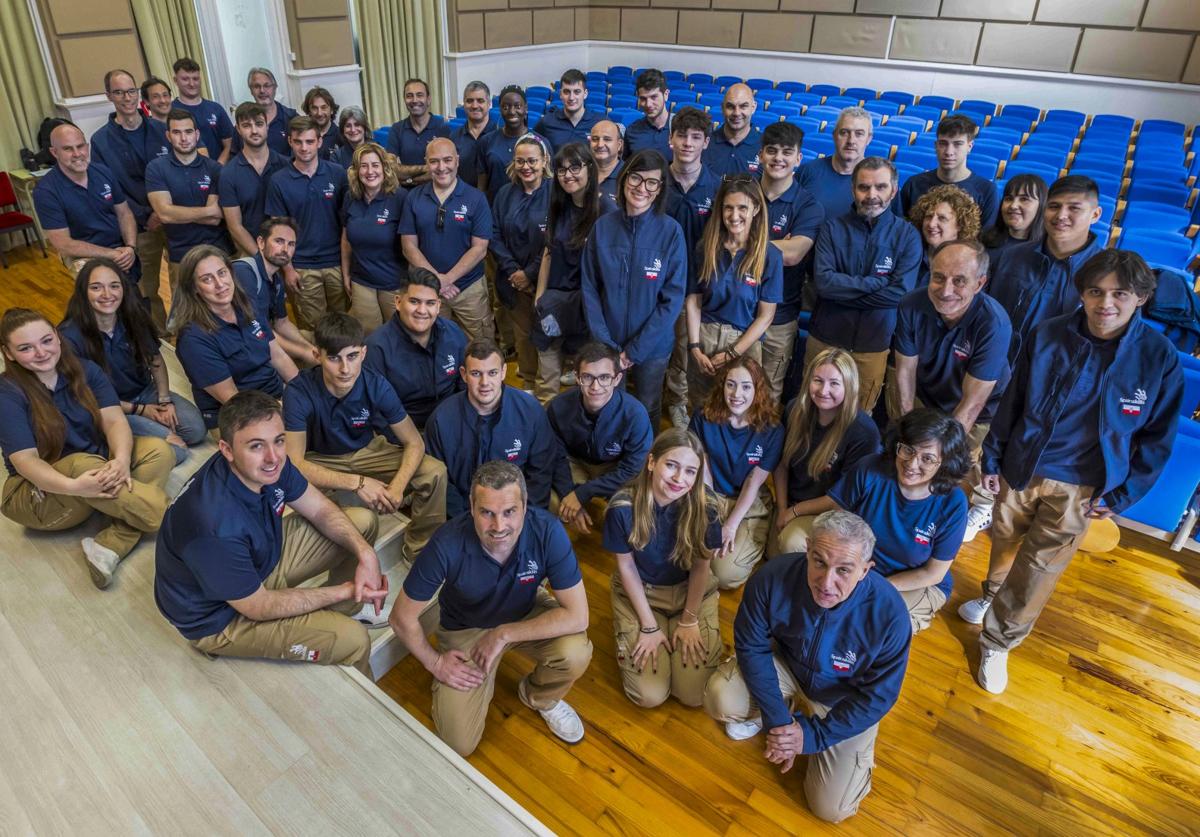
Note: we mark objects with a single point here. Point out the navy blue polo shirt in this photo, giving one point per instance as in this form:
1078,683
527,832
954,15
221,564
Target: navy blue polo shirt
213,121
82,436
277,132
190,185
608,189
219,541
127,154
331,141
981,190
732,296
860,440
422,376
653,562
128,379
342,155
977,345
725,158
464,215
518,235
642,135
240,351
373,232
242,186
495,150
834,191
467,144
409,144
267,295
479,592
693,207
798,214
620,433
734,452
908,533
315,202
339,425
88,212
558,130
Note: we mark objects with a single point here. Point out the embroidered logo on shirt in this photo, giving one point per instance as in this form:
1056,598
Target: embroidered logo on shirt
204,183
1133,406
542,226
885,266
653,269
162,151
212,119
753,166
924,535
329,191
460,214
704,208
755,456
360,420
451,367
277,501
106,192
750,279
257,330
962,349
780,223
843,661
382,217
513,450
613,448
529,575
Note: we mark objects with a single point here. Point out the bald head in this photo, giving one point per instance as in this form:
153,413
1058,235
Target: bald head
70,149
606,143
441,157
738,107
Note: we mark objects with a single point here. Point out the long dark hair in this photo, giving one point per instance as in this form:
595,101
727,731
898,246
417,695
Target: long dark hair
930,425
1021,184
132,315
561,205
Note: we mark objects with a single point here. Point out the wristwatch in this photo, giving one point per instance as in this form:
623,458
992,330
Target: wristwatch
362,480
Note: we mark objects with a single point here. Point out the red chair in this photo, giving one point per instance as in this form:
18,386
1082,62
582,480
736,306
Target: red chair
12,220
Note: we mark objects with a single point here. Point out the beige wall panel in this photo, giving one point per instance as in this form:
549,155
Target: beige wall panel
1030,47
325,43
531,4
470,32
747,5
321,8
1192,74
70,17
846,6
627,2
682,4
989,10
598,24
1095,12
864,36
86,59
656,26
714,29
507,29
1151,55
1172,14
947,41
481,5
553,26
925,8
782,32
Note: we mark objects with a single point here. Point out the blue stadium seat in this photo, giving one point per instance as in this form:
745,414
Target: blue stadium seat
1106,181
937,102
707,89
1013,138
1049,156
1049,142
784,108
861,93
762,96
1168,249
727,81
805,123
922,158
883,108
1024,111
907,122
624,116
757,84
815,144
792,87
764,118
1141,214
1019,124
893,135
1113,120
1168,157
1164,193
594,80
1108,207
711,102
842,102
683,97
1191,386
1151,169
460,112
929,114
926,140
1062,128
993,148
803,99
1112,166
1109,155
1162,126
699,78
1103,233
1166,503
1046,172
620,70
538,93
879,148
825,90
675,78
825,114
983,165
1069,117
904,171
979,106
617,102
898,96
381,135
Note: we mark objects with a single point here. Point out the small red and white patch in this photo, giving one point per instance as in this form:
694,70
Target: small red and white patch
750,280
921,539
839,665
1131,409
651,275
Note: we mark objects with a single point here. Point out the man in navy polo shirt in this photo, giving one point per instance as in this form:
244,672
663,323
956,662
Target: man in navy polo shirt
445,228
418,351
228,565
823,633
603,432
735,147
489,566
794,216
261,82
244,178
955,139
865,261
82,207
1082,433
409,137
311,190
951,348
261,277
491,420
477,102
332,412
216,130
320,106
571,122
654,129
125,145
607,148
183,189
829,178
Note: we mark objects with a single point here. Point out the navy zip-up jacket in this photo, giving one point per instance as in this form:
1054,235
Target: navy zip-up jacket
518,432
518,235
861,271
619,433
1140,396
850,657
634,280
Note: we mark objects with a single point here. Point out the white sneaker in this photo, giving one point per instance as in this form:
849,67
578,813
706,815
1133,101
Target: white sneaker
741,730
974,610
993,670
979,518
102,562
563,722
372,620
567,380
679,416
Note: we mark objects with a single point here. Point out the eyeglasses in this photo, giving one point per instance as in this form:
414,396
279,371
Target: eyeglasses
125,94
527,161
926,460
441,217
605,380
650,184
573,169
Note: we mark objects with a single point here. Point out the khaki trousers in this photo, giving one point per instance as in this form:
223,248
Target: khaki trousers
714,337
838,778
520,317
131,513
370,307
652,685
426,491
922,605
320,289
1035,533
327,636
778,344
460,716
677,370
472,309
151,247
550,365
872,368
750,543
794,536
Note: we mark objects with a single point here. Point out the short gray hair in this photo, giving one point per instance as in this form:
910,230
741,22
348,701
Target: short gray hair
873,164
495,475
476,85
855,112
980,253
260,71
845,526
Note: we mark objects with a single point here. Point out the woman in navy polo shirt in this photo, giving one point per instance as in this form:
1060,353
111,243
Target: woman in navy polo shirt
740,430
1020,216
519,227
575,207
354,129
371,257
68,449
827,434
222,347
944,213
909,496
107,324
734,284
663,528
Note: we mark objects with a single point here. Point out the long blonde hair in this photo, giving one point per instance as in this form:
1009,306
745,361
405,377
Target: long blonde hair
712,243
693,517
803,416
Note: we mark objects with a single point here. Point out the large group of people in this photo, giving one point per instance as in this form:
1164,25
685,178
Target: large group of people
648,284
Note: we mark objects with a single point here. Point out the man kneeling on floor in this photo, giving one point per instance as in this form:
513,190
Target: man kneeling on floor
490,565
227,562
824,633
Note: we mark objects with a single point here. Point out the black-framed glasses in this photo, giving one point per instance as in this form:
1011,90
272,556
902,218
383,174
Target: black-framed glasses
573,169
908,452
441,217
650,184
604,379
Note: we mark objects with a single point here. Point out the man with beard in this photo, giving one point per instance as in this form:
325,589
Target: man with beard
261,279
828,178
652,130
244,178
261,82
321,108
